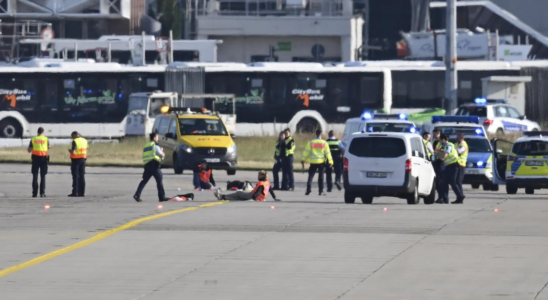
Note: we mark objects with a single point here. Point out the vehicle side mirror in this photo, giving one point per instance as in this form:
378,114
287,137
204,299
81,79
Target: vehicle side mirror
524,117
170,135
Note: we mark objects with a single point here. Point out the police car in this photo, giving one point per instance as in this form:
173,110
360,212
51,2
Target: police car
522,164
450,125
377,122
497,116
479,165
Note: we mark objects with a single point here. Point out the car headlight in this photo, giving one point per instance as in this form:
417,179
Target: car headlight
231,149
480,164
186,148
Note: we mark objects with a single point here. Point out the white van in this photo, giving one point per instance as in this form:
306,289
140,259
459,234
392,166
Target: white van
388,164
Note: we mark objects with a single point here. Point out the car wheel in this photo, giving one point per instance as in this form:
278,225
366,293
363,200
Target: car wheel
230,172
511,189
529,191
10,129
432,196
476,186
494,187
349,197
367,199
486,186
413,197
176,167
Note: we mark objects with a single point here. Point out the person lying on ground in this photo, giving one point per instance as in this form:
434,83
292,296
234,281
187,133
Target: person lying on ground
259,193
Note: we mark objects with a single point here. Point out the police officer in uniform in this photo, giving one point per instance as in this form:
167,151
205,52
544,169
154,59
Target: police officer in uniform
78,156
462,149
439,167
279,153
448,153
152,158
39,147
287,162
316,153
335,146
427,144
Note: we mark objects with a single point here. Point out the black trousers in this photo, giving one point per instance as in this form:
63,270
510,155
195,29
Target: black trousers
39,165
287,176
152,169
337,168
78,169
452,179
276,173
461,176
311,172
439,168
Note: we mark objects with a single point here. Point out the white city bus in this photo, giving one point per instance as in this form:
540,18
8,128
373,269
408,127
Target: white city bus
91,98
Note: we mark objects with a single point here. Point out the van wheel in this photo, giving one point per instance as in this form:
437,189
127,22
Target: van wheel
476,186
529,191
494,187
367,199
10,129
432,196
230,172
349,197
413,198
486,186
176,167
511,189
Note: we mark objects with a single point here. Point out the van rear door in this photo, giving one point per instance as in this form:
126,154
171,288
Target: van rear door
377,159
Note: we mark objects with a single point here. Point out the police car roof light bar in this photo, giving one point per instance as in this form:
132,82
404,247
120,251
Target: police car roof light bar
367,115
400,116
535,133
483,101
183,110
455,119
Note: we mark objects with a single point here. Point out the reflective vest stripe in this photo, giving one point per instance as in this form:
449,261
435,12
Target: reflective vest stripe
81,148
333,145
39,146
290,151
463,157
426,144
149,153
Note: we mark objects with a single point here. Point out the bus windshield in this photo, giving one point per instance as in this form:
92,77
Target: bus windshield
202,127
137,103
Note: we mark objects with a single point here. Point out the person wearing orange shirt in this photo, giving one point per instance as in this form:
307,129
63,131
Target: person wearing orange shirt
259,193
203,177
39,147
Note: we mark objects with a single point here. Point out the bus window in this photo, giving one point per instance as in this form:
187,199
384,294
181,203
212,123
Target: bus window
371,91
49,93
278,91
338,92
18,94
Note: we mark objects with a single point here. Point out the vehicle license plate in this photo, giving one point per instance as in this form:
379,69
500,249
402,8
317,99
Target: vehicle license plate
471,171
534,163
213,160
376,175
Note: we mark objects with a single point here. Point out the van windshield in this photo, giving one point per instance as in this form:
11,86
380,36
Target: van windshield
137,103
377,147
531,148
202,127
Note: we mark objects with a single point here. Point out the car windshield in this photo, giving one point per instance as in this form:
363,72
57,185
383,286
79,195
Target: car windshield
480,111
202,127
388,147
456,129
531,148
476,145
388,127
137,103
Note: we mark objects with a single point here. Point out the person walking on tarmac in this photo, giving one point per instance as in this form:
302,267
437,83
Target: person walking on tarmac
316,153
462,149
259,193
203,177
448,153
78,156
38,148
152,158
288,182
279,153
335,147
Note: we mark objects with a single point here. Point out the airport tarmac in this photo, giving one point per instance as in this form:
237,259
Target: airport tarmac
107,246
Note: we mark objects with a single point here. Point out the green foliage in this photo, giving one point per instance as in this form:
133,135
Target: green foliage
171,17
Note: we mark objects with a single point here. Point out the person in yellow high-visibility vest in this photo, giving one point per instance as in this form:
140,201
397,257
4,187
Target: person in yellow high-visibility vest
462,149
78,156
39,147
317,153
448,153
152,161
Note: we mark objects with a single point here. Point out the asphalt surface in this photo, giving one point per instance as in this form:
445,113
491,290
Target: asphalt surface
305,247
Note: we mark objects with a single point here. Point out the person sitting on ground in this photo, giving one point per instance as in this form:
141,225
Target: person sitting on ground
259,193
203,177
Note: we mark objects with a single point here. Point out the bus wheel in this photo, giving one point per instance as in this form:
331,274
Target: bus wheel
307,125
10,129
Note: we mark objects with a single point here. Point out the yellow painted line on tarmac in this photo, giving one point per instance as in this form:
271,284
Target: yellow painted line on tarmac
99,236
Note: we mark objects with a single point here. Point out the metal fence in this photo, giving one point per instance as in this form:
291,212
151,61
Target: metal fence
186,80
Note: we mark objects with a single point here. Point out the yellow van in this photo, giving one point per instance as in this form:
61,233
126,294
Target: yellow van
189,137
